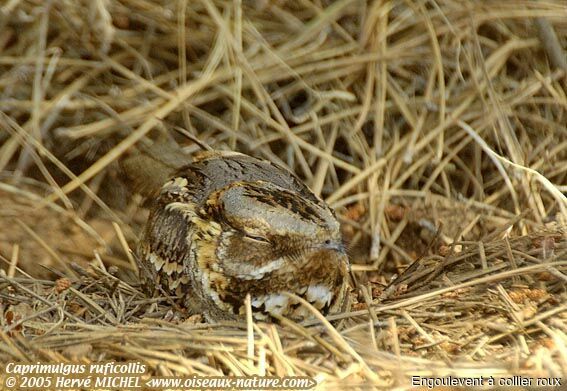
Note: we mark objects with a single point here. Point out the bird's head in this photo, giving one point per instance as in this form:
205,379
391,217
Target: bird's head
268,229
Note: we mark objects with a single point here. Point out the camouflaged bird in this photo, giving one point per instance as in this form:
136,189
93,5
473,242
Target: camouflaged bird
228,224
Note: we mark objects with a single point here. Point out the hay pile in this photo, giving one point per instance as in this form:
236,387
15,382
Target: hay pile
436,129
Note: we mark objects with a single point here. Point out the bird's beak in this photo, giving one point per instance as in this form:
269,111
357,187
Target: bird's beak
334,245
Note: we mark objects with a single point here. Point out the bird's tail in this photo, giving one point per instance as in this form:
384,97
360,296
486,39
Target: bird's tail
147,167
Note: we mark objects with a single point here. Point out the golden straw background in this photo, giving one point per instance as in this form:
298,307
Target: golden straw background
435,128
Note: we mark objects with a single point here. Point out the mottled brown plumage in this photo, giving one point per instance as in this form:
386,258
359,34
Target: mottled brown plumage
228,224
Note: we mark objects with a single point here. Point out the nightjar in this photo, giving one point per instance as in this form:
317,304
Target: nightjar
227,224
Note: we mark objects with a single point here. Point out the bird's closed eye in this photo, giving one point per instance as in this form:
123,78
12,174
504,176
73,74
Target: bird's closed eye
258,239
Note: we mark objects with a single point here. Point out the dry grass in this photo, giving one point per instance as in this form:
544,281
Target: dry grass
435,128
